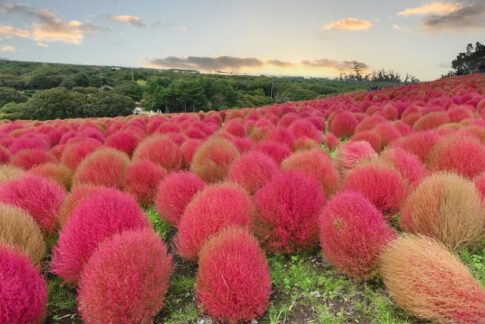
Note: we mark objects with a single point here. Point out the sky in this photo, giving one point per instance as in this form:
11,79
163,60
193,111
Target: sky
274,37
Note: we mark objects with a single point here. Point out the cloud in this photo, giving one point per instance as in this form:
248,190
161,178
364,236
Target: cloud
48,27
471,16
401,28
333,64
433,8
349,24
279,63
6,30
206,64
7,48
177,28
127,19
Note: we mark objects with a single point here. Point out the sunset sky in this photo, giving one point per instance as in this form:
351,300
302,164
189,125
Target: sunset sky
281,37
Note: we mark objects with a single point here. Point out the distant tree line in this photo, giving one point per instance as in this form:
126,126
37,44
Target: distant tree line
470,61
48,91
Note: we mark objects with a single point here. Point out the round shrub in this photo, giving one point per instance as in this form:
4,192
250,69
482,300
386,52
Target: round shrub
104,167
28,142
142,179
216,207
287,212
352,234
233,282
304,128
188,150
316,164
278,152
160,150
408,165
75,153
252,170
94,220
382,185
40,197
350,154
174,193
459,154
9,173
213,158
431,120
27,159
74,198
446,207
418,143
4,155
19,230
123,141
126,279
428,281
56,172
23,291
343,124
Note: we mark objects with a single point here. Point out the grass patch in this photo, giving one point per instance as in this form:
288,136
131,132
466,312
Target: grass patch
163,229
475,260
61,305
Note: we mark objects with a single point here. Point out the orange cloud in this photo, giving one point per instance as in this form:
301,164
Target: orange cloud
6,30
6,48
349,24
433,8
127,19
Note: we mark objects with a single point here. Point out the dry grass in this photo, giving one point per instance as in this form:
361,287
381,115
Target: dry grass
9,173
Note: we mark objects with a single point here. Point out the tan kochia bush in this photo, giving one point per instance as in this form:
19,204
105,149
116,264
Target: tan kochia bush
19,230
447,207
8,173
426,279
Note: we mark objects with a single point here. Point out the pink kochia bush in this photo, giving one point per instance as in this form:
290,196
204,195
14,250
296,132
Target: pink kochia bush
40,197
161,150
217,207
350,154
74,153
213,158
105,167
382,185
142,179
287,210
27,159
408,165
233,281
352,234
126,279
23,291
94,220
252,170
174,193
316,164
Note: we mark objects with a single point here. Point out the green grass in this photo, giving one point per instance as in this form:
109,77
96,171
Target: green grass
61,302
475,260
163,229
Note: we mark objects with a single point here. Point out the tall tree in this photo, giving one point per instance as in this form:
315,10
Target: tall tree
472,60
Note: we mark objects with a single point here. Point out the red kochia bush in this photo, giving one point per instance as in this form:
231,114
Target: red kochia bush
40,197
383,186
161,150
123,141
105,167
343,124
316,164
74,198
142,179
174,193
252,170
213,158
410,167
465,156
94,220
4,155
352,153
425,279
418,143
275,150
74,153
216,207
23,291
352,234
287,212
126,279
233,281
27,159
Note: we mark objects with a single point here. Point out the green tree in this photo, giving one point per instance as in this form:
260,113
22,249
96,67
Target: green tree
11,95
472,60
108,104
57,103
13,111
130,89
